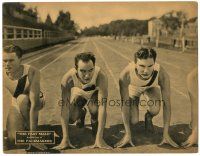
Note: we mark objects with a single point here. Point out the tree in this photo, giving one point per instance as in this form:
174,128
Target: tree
182,16
32,12
90,31
174,20
9,7
119,28
64,22
48,20
104,30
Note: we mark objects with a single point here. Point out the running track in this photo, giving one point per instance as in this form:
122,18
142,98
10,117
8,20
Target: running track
112,56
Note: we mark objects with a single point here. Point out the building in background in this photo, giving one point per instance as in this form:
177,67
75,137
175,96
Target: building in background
188,38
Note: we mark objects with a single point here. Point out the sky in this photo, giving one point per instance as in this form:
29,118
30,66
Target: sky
87,14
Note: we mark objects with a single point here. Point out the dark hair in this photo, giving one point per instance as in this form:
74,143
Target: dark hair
13,49
145,53
85,57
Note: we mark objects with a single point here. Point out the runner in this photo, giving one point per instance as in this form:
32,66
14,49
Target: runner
23,83
192,85
86,84
145,77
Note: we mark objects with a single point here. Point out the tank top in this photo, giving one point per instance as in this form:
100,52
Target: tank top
136,81
84,90
20,86
138,86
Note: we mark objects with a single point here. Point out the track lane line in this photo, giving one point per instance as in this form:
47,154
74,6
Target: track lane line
50,52
44,52
107,66
125,57
44,67
128,49
170,51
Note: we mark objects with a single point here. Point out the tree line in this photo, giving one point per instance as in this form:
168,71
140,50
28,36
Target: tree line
128,27
62,22
170,21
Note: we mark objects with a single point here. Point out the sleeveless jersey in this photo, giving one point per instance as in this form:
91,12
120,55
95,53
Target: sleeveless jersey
84,90
137,85
20,86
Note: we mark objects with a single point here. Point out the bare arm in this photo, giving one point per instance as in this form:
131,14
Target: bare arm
102,98
34,78
66,93
66,85
164,82
124,82
192,85
102,83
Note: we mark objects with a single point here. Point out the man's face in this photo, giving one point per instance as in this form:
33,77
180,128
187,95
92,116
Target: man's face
10,62
85,71
145,68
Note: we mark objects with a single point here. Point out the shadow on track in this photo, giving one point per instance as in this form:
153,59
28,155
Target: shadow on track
83,137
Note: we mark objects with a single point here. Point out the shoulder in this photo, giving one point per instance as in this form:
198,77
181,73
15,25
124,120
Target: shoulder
163,72
32,69
157,66
97,68
125,74
32,72
5,76
163,75
102,77
5,79
67,78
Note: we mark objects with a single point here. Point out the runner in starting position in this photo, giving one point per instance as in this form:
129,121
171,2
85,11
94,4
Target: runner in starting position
192,85
86,84
145,77
23,83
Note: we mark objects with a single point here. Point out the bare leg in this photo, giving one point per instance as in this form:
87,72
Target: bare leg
77,112
18,117
153,97
134,109
93,109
